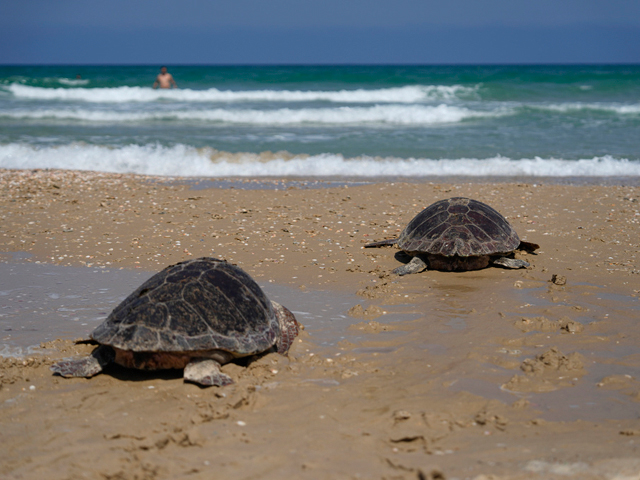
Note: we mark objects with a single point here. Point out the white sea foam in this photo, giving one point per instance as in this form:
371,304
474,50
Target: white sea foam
12,351
72,82
378,114
628,109
181,160
406,94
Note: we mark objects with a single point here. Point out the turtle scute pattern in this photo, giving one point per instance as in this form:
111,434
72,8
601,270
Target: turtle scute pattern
201,304
196,315
458,226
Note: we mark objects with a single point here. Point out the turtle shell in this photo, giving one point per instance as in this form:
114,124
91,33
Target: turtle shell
201,304
458,226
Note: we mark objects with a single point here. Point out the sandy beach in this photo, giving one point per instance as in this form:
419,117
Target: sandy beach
490,374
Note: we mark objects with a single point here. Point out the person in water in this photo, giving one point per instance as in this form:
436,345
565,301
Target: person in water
164,79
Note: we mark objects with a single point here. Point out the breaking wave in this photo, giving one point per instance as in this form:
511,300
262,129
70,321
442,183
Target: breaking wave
378,114
406,94
632,109
185,161
72,82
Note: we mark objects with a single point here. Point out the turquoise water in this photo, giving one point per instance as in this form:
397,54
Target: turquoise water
325,120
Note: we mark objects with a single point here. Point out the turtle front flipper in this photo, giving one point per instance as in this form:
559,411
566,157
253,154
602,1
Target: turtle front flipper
289,328
206,372
416,265
86,366
510,262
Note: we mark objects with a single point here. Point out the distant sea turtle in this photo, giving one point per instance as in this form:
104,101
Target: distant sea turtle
196,315
458,234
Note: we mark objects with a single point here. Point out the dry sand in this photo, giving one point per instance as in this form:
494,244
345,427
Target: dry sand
492,374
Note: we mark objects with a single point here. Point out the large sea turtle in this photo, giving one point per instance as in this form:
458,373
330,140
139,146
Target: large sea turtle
195,315
458,234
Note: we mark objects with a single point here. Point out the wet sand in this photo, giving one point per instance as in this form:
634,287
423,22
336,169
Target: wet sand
492,374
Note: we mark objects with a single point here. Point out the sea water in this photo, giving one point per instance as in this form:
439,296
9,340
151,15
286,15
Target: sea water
41,302
362,121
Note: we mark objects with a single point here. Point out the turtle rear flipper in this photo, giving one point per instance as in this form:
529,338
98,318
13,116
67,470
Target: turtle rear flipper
206,372
510,262
86,366
381,243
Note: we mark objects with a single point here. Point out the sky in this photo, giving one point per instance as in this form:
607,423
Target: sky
319,32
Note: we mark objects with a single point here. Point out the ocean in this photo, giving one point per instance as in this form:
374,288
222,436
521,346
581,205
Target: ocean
307,121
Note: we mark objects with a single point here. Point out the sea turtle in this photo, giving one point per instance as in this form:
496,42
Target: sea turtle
195,315
458,234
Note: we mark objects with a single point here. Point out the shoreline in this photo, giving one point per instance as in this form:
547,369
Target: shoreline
487,374
270,182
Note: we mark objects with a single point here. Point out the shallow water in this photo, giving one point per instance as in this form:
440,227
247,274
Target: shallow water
42,302
585,399
324,314
266,184
303,183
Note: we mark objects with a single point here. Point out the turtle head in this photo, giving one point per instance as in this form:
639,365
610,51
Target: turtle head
289,328
528,246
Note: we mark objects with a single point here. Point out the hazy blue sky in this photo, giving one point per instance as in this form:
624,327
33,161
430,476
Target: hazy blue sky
326,31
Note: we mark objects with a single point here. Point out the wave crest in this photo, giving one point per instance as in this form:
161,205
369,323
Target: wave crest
379,114
406,94
629,109
185,161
